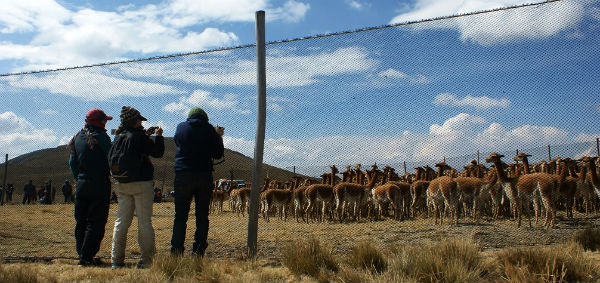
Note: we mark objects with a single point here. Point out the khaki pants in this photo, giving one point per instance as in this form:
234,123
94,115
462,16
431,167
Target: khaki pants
138,197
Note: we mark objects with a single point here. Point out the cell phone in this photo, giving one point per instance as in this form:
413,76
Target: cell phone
152,129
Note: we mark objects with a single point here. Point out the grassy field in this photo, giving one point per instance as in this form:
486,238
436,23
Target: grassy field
46,231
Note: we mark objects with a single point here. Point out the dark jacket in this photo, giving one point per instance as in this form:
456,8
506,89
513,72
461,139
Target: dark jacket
89,154
144,146
197,145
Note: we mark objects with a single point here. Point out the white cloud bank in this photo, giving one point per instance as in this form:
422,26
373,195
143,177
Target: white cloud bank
285,69
18,136
205,99
458,135
481,102
534,22
396,74
89,84
64,37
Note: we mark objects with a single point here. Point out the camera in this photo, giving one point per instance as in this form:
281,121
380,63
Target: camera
151,130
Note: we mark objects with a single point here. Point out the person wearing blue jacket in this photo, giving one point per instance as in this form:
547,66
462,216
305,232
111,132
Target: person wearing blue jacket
89,165
198,143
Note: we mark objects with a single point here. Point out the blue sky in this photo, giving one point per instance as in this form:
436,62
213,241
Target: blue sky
507,80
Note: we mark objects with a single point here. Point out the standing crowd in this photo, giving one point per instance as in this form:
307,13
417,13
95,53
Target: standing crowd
94,158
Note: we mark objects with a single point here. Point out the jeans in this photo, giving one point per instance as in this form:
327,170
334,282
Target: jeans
188,185
134,197
92,199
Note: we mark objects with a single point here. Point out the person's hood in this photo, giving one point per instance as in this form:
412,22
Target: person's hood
197,119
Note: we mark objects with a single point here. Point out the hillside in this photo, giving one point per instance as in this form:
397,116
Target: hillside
52,163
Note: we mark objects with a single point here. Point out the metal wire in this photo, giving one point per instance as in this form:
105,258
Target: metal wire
287,40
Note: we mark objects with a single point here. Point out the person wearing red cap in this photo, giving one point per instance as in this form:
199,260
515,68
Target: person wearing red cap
89,165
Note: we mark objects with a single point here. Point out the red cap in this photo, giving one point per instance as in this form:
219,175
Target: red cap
96,114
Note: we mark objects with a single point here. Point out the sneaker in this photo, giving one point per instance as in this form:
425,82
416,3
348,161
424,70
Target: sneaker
142,265
119,265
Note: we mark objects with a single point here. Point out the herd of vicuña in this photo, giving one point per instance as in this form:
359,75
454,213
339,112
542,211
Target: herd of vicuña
501,190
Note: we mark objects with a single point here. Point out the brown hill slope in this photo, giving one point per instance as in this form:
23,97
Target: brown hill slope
52,163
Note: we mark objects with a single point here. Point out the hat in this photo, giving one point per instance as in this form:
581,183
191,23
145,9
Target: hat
96,114
129,113
197,110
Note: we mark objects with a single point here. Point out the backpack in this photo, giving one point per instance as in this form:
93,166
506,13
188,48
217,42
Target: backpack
125,163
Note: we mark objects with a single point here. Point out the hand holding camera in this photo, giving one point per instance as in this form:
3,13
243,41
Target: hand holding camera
220,130
154,130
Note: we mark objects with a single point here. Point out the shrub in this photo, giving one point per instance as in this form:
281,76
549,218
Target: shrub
17,274
308,257
176,266
446,261
367,256
588,238
563,264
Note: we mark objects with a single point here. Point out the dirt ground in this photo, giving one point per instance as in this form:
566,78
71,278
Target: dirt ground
46,231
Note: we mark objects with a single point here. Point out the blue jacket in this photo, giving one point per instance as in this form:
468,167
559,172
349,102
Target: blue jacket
89,153
197,145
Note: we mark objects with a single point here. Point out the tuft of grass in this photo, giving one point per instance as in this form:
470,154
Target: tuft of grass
366,256
563,264
447,261
17,274
176,266
588,238
308,257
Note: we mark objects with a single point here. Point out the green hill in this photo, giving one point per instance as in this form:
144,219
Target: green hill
52,163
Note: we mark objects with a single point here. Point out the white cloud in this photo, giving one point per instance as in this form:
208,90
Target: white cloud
291,11
48,112
481,102
62,37
18,136
64,140
205,99
26,16
587,138
584,137
534,22
458,135
283,69
90,85
396,74
357,5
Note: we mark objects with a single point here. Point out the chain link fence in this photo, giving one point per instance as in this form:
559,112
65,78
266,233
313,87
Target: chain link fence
406,95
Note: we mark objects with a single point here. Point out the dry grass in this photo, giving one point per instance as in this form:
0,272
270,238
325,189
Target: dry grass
589,239
366,256
308,257
568,263
447,261
17,274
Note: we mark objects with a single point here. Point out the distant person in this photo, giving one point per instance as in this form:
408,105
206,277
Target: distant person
67,191
133,172
89,165
48,198
28,192
41,192
9,192
198,143
157,195
53,192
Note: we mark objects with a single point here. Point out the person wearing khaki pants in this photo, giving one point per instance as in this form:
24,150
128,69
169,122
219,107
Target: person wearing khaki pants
133,172
133,197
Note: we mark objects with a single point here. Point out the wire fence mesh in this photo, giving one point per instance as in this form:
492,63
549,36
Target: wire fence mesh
406,96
